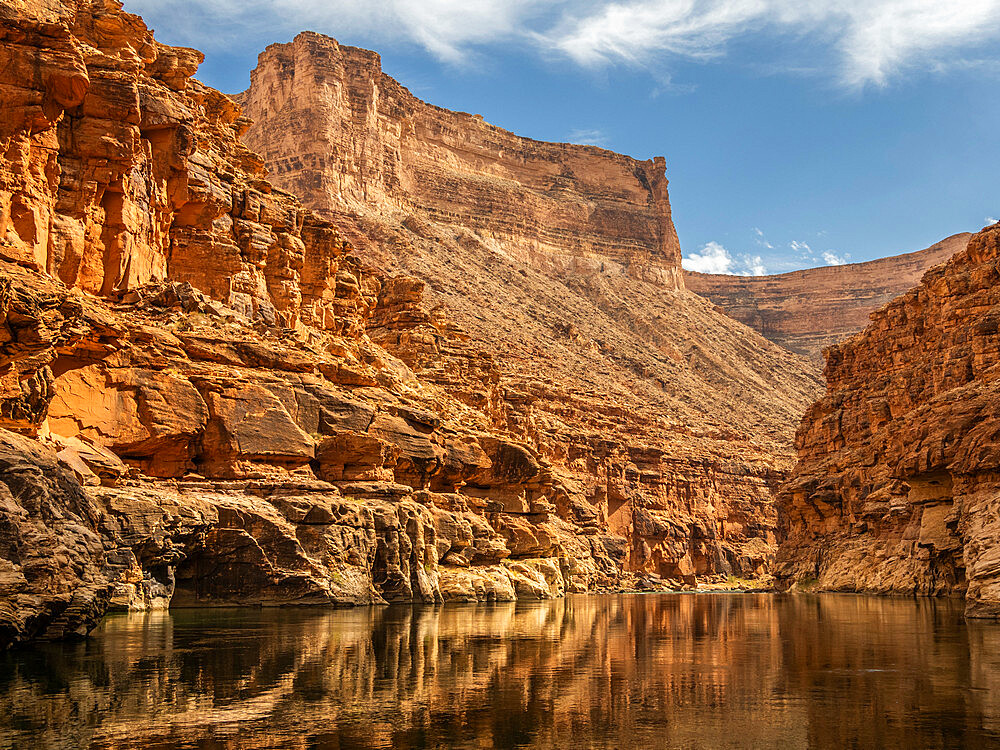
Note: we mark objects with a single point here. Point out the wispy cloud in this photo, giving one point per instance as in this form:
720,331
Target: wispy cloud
588,137
832,259
991,220
760,239
871,41
714,258
803,251
448,29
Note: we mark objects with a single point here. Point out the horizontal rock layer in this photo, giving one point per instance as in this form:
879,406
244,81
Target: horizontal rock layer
208,395
896,489
182,458
332,126
671,419
807,311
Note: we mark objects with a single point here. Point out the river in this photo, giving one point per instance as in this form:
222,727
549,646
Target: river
623,671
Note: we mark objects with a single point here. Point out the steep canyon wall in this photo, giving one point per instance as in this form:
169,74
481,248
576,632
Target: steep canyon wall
210,394
561,263
896,489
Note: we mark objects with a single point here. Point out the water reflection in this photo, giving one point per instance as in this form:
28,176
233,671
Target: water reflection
674,671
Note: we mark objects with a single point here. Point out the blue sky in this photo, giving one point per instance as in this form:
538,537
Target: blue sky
797,133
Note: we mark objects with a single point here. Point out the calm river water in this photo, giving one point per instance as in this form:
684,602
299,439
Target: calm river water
631,671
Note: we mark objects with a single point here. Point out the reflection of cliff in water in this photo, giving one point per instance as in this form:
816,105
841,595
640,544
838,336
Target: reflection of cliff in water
645,671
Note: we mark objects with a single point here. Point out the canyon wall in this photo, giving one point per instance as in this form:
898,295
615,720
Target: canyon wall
898,480
193,403
212,395
345,136
807,311
561,262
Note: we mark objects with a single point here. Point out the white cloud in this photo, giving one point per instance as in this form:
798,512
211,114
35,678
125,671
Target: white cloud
991,220
753,265
872,40
803,250
714,258
832,259
445,28
588,137
761,240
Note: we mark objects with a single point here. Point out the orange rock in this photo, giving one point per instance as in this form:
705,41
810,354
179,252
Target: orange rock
895,489
540,285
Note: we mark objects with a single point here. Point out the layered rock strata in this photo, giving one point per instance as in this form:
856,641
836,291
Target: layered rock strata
195,407
807,311
669,421
896,489
333,127
212,395
185,458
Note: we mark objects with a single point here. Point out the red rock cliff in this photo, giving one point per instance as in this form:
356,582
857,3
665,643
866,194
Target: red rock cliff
670,421
897,488
212,395
191,359
807,311
362,141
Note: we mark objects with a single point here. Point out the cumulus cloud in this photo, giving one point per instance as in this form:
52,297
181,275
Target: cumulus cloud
753,265
714,258
872,40
832,259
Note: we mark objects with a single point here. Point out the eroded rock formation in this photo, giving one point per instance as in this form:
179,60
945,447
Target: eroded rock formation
896,489
212,395
807,311
346,136
560,262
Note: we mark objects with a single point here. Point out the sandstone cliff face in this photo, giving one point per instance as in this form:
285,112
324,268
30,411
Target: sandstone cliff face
329,123
807,311
196,406
896,488
668,422
211,395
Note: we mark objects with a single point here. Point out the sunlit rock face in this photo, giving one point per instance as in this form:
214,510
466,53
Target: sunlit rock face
667,423
333,127
236,400
896,488
807,311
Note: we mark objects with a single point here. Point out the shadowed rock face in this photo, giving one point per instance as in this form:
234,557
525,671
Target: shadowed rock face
807,311
896,488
